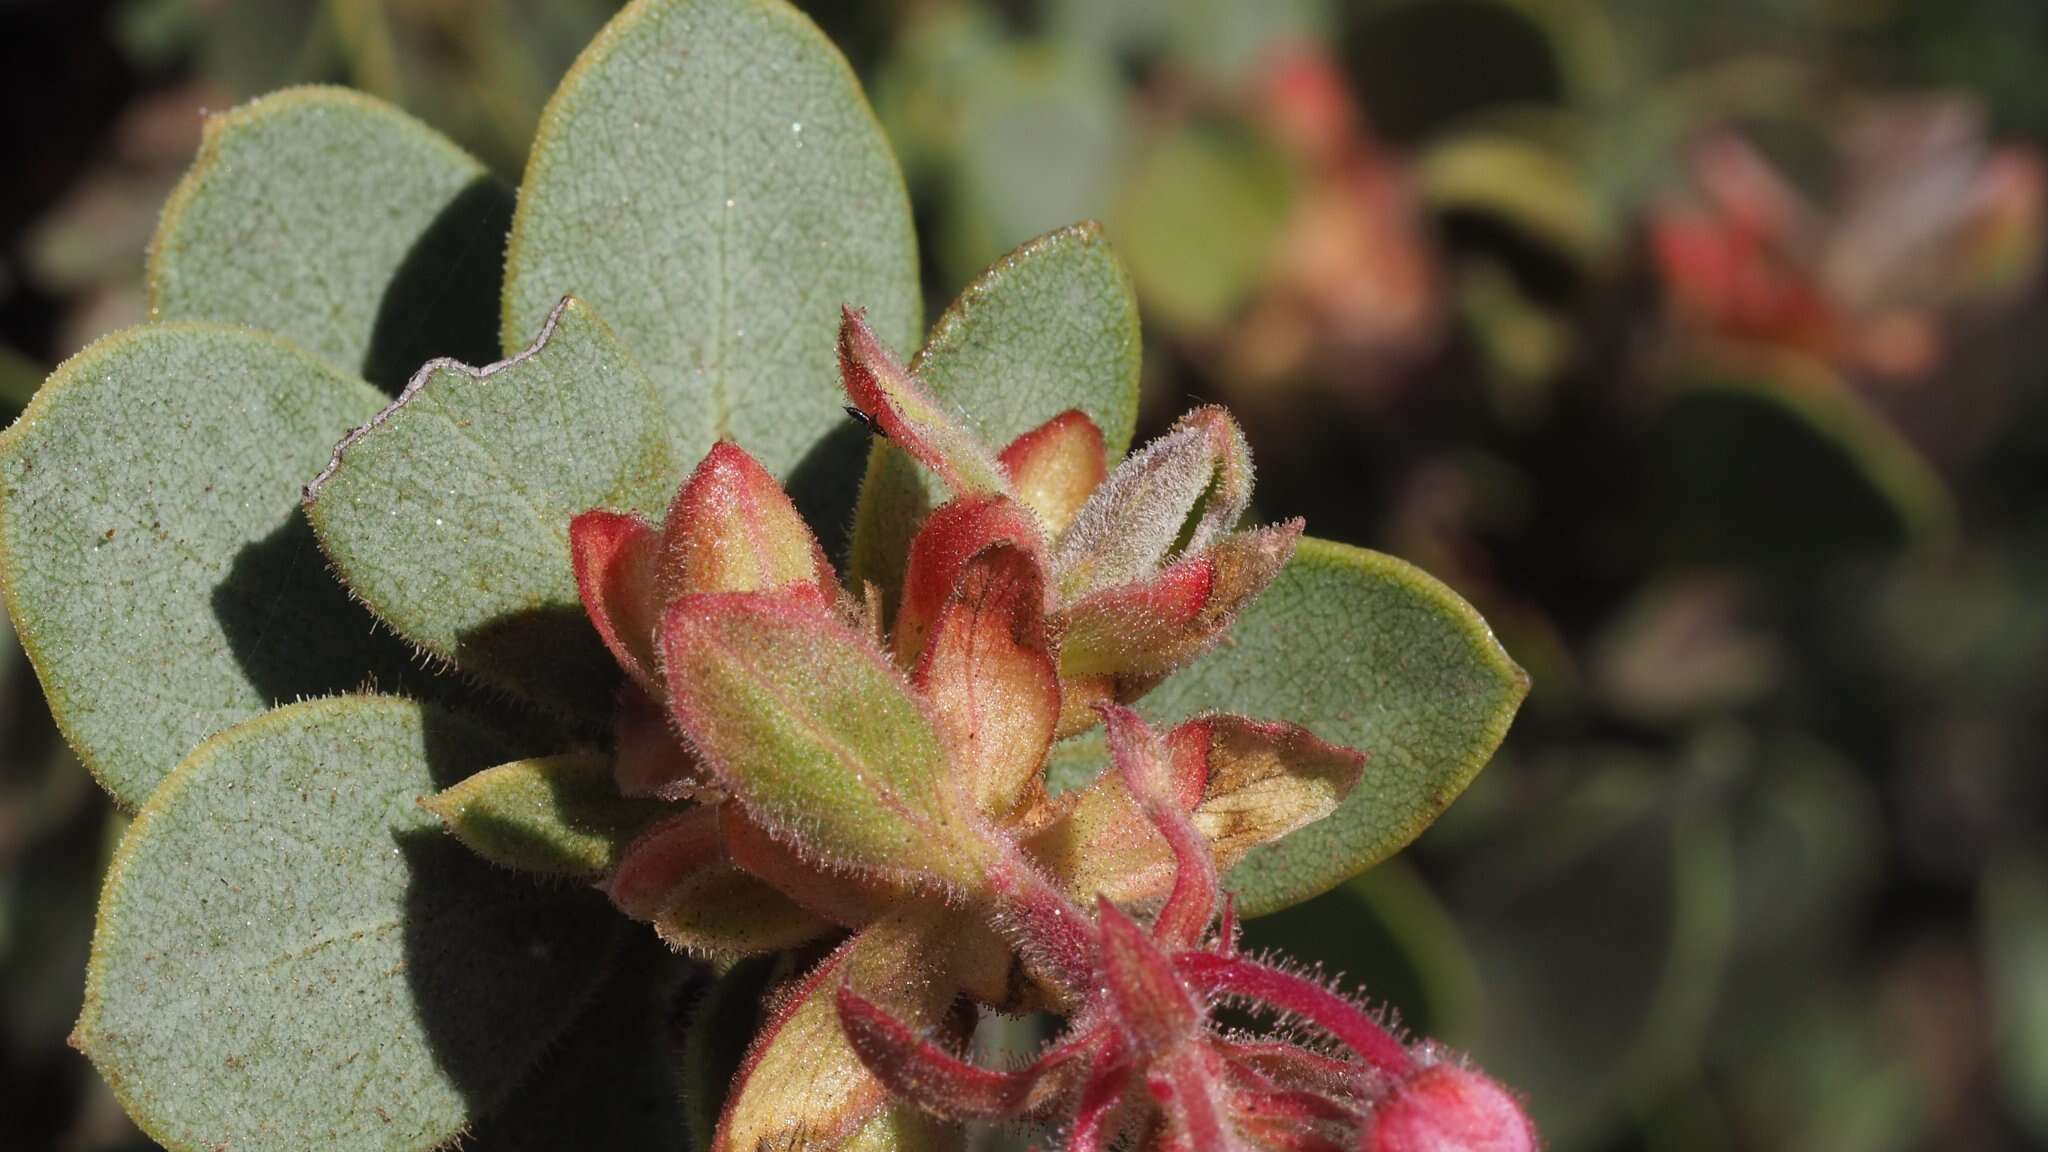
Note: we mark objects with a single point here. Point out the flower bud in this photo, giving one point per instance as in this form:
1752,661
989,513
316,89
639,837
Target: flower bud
1449,1108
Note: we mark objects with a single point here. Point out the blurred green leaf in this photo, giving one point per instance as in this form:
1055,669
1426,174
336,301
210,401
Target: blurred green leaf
1601,931
1224,42
20,377
1231,189
1520,182
1786,469
2015,903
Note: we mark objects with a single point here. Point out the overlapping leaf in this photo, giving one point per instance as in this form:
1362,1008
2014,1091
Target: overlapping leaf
817,734
1367,653
448,514
152,552
558,815
1052,326
710,177
291,954
342,224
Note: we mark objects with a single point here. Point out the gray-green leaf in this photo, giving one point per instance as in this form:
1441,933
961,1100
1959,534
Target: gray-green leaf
1368,652
341,223
152,552
710,177
560,815
292,954
1049,327
448,513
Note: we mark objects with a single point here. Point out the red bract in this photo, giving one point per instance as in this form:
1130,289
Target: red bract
1143,1056
847,766
1929,219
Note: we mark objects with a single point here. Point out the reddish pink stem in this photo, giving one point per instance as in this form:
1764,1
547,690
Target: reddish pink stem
1141,762
1190,1098
1233,976
1099,1100
918,1070
1050,932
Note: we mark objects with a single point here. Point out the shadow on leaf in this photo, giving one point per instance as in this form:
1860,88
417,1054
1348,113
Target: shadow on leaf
551,656
825,485
294,630
499,963
443,301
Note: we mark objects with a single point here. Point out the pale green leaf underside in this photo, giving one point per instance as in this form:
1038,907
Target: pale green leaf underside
151,548
710,178
448,514
342,224
560,815
1371,653
292,954
1049,327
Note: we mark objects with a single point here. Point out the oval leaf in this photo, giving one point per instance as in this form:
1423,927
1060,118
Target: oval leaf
292,954
341,223
448,513
1051,326
710,176
558,815
151,549
1370,653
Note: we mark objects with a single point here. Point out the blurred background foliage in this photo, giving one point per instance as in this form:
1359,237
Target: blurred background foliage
1692,340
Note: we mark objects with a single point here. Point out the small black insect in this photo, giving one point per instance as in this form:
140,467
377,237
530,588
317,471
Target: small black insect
866,421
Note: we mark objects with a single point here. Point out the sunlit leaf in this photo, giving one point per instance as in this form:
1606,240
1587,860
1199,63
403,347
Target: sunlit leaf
291,952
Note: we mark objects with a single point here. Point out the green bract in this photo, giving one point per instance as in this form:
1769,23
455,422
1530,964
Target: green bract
206,564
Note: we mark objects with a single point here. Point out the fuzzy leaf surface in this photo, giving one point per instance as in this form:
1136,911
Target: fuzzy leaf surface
1051,326
1370,653
559,815
292,954
342,224
709,176
151,549
817,734
449,513
801,1084
680,878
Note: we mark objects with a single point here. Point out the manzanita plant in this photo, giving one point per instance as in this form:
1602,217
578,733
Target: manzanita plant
1054,726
